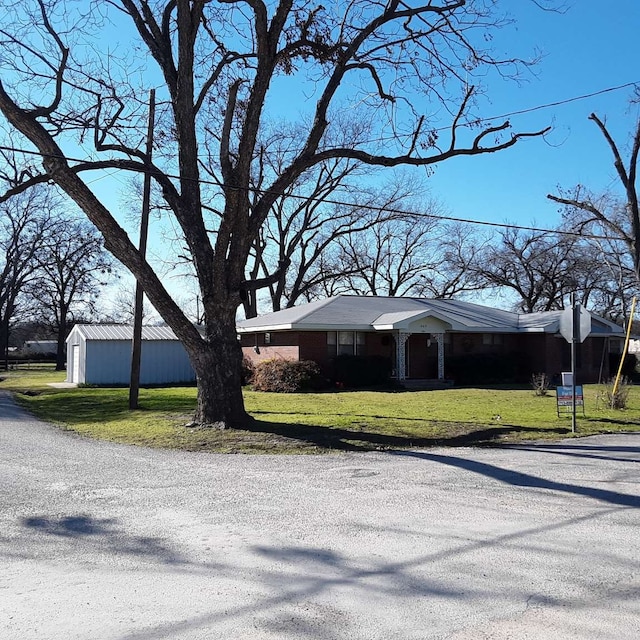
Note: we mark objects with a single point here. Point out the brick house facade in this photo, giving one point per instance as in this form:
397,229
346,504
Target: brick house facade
423,338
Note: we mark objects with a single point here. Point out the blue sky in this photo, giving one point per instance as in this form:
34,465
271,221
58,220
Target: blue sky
590,47
586,49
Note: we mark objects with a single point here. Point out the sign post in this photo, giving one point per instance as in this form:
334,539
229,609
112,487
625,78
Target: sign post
575,326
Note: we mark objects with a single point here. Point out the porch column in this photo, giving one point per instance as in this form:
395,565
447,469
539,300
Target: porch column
440,342
401,338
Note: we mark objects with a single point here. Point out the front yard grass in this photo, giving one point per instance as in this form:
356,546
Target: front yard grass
318,422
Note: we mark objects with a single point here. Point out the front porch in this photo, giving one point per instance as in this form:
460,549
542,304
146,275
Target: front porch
418,355
430,384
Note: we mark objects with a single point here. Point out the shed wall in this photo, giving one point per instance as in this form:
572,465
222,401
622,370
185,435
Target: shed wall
109,362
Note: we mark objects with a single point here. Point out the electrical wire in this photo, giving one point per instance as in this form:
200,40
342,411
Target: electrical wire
502,225
381,209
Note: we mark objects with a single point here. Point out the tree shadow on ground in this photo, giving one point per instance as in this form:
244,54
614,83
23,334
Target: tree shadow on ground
615,421
306,573
104,534
453,435
589,451
519,479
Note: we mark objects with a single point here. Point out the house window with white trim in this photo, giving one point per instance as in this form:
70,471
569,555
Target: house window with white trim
345,343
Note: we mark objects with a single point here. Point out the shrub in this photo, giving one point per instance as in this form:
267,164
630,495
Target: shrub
540,383
286,376
617,400
361,371
248,370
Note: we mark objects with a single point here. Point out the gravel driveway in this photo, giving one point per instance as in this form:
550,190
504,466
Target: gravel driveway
102,541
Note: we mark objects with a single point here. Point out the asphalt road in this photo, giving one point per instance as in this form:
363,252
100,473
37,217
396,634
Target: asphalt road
101,541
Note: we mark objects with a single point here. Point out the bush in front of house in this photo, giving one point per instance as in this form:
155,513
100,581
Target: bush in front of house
247,372
540,382
286,376
361,371
483,368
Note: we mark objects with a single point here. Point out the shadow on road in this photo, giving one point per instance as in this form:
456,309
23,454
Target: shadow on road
594,452
104,534
519,479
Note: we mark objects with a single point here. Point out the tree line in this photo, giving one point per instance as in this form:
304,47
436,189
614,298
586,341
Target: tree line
388,243
52,266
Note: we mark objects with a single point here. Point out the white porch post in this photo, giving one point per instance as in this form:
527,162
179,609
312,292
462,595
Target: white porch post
440,343
401,338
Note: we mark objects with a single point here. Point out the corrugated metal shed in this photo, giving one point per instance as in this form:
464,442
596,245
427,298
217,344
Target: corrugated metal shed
101,354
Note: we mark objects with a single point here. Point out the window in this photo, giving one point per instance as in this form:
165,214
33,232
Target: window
345,343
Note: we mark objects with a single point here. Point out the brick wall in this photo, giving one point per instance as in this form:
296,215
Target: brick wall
268,352
545,353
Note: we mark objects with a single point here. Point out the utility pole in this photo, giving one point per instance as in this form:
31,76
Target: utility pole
575,324
136,344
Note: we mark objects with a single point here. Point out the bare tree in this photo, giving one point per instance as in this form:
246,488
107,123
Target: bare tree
299,228
120,308
534,265
391,257
318,250
603,211
25,221
219,61
456,250
72,268
544,268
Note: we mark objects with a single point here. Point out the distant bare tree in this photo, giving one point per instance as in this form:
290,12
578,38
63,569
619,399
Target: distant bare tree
534,265
543,268
72,267
25,221
457,248
391,258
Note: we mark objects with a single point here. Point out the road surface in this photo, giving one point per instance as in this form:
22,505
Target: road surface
108,542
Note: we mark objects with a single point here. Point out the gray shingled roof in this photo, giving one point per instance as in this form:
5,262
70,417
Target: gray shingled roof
361,313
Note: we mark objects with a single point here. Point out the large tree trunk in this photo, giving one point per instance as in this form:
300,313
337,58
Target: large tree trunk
218,368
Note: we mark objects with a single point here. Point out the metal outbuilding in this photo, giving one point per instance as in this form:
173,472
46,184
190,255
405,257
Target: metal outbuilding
101,354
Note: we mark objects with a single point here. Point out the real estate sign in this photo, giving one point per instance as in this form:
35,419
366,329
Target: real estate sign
564,397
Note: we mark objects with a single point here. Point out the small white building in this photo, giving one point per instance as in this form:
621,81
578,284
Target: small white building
101,354
41,346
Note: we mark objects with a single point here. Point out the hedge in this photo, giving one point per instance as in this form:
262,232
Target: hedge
286,376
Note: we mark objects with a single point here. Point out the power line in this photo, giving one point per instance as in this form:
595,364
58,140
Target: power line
370,207
563,102
503,225
539,107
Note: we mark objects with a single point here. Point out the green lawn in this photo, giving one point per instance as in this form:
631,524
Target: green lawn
317,422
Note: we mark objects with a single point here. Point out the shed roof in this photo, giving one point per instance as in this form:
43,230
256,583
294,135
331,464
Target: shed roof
123,332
